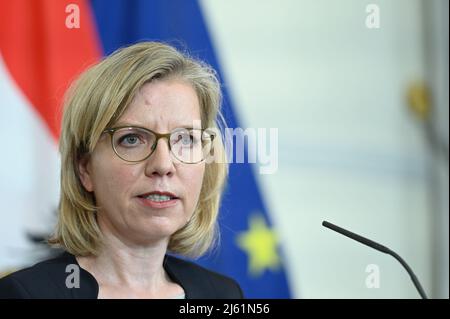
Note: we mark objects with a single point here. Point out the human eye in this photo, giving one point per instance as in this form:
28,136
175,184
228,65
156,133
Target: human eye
185,138
131,139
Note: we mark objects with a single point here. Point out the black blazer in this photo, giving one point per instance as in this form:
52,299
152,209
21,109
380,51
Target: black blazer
47,280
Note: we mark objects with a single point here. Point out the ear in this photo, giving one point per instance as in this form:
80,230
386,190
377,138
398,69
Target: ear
84,169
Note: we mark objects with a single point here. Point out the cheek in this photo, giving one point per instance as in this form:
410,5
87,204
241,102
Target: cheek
112,183
193,179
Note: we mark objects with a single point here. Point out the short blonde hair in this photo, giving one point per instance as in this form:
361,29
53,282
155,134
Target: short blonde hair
96,101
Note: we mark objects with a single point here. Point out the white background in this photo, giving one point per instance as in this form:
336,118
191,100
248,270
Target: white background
350,150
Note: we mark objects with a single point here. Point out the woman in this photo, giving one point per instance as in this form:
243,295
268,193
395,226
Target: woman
137,182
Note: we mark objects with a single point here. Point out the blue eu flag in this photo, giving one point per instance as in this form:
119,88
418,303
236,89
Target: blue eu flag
250,250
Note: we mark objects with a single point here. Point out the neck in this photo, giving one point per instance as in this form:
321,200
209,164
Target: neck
125,264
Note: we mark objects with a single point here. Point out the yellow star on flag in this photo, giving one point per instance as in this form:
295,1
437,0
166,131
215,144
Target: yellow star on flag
260,244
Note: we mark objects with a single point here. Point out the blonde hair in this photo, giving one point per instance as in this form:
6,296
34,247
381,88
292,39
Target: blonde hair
96,101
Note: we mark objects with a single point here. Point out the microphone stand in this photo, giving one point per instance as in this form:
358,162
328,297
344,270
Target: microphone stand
381,248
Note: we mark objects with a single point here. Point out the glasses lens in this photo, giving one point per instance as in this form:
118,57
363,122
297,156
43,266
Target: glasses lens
133,144
190,145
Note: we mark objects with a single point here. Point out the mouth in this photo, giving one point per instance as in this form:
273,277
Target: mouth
158,196
158,199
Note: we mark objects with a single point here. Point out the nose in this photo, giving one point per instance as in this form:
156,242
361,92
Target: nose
160,163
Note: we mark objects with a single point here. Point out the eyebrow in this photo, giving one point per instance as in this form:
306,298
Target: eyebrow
124,124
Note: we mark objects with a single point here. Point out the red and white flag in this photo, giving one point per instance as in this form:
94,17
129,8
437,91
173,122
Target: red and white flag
41,52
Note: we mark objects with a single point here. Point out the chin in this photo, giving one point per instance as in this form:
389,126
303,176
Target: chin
156,230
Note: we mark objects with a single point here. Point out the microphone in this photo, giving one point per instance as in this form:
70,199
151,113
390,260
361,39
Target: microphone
381,248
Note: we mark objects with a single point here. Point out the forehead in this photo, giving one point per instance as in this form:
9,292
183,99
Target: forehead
163,105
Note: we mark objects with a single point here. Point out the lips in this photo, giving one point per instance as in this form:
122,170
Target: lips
158,199
160,193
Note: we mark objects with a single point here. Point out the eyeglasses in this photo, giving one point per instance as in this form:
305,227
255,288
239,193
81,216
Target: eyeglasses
136,144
